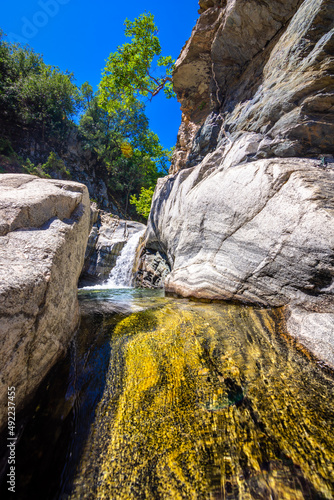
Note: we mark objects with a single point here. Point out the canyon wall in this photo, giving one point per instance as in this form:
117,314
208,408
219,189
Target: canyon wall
258,74
247,210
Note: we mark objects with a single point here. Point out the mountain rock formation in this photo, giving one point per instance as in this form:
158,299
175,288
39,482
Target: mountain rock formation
247,211
44,226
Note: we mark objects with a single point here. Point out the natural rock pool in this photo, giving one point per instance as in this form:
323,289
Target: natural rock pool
180,400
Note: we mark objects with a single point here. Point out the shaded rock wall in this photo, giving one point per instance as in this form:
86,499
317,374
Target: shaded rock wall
152,269
44,226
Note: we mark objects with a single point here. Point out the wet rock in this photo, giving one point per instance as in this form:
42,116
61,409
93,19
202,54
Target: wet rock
44,230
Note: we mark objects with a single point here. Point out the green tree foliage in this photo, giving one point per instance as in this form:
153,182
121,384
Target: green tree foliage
54,167
129,75
40,102
143,202
137,158
33,94
129,151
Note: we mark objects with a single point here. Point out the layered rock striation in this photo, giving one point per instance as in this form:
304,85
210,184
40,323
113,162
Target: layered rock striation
261,232
247,211
44,226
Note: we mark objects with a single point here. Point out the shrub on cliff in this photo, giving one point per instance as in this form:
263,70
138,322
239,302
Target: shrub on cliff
143,202
54,167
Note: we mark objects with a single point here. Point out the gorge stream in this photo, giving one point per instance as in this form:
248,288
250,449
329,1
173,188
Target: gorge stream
163,398
180,400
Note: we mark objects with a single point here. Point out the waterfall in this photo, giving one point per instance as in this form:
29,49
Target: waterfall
121,274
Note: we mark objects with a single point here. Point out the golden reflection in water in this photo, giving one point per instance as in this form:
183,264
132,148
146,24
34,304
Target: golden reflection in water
209,402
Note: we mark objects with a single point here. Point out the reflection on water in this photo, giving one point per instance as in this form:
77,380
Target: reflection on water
188,401
208,401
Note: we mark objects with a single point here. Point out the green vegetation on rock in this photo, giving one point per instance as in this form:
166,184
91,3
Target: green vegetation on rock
45,118
143,202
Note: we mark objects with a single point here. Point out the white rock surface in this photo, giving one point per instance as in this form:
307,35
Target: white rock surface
313,330
44,226
260,232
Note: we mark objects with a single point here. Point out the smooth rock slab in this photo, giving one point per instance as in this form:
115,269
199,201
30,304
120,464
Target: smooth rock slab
313,330
44,230
260,232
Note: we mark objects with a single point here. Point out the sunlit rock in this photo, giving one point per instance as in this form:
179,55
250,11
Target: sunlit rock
44,230
262,67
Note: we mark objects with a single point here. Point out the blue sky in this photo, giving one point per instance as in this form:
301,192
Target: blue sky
78,35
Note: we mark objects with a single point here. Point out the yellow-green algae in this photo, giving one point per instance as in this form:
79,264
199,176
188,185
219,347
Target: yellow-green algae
207,402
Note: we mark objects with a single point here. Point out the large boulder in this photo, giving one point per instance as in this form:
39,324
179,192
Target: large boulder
259,232
44,226
247,212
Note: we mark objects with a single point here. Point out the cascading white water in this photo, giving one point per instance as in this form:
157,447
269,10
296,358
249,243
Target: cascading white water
121,274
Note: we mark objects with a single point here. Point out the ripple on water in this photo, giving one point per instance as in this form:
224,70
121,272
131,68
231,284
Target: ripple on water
208,401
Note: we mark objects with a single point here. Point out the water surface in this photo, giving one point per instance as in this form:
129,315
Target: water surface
183,400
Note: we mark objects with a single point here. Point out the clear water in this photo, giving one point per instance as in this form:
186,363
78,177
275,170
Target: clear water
181,400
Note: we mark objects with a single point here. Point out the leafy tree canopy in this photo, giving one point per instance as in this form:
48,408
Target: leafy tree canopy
129,75
38,103
34,93
128,150
143,202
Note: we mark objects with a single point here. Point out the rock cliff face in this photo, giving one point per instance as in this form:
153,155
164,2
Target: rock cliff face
262,68
261,232
247,210
44,227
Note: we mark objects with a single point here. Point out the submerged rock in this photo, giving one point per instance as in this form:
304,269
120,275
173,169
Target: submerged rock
44,227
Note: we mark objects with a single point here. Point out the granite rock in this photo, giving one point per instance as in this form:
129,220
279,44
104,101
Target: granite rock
259,232
152,270
263,68
44,230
